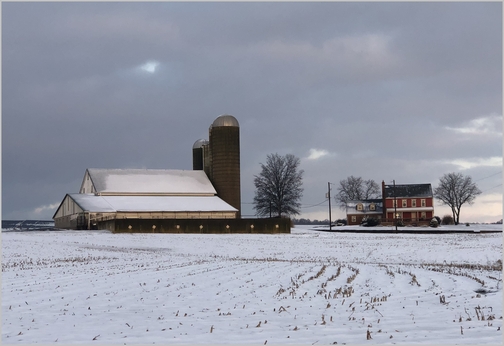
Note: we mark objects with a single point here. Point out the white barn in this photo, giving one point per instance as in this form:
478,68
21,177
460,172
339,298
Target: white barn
206,199
146,194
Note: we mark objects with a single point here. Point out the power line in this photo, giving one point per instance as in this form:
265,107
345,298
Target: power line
311,206
307,206
491,188
489,176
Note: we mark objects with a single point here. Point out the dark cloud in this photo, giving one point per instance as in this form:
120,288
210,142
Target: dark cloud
380,87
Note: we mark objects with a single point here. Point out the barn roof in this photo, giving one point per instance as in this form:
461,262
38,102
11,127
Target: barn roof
107,204
408,190
151,181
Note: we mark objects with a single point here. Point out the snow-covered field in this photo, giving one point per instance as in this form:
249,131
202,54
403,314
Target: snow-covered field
461,228
307,287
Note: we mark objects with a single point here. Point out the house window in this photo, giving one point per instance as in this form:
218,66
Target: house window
423,215
422,202
394,203
359,206
404,203
413,203
372,206
354,218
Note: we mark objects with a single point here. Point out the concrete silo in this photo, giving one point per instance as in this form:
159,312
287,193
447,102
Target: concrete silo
224,144
200,148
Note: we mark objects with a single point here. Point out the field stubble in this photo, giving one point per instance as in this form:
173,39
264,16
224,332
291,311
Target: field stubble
298,288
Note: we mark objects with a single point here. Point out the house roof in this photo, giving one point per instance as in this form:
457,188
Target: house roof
108,204
352,207
377,201
151,181
408,190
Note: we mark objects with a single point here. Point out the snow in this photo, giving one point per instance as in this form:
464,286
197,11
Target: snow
90,202
461,228
170,181
306,287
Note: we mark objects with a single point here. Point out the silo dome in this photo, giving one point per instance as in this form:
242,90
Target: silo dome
199,143
225,120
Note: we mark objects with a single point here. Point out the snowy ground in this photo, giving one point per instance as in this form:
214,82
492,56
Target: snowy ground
307,288
461,228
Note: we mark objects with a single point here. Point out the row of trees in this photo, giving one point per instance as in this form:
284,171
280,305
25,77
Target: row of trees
279,189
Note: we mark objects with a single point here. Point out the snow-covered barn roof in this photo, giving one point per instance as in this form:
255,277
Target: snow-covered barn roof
108,204
151,181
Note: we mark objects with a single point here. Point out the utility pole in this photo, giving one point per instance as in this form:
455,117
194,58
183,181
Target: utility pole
395,207
329,197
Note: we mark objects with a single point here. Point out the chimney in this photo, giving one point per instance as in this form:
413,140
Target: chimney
384,208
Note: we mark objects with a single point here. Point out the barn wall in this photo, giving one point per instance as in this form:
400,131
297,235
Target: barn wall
176,215
68,207
198,226
87,184
68,221
62,222
80,220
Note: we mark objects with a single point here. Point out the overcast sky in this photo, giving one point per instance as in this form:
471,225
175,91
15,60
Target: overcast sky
386,91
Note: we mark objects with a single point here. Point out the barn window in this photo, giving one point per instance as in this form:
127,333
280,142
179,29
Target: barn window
359,206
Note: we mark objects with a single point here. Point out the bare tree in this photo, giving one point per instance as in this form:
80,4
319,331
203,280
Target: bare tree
455,190
278,186
356,189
